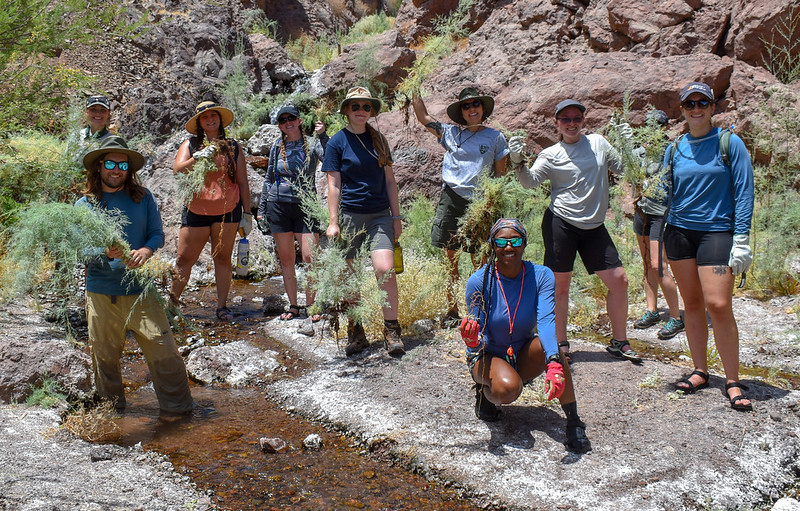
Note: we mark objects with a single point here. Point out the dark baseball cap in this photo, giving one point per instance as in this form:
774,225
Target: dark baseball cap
98,100
569,102
698,87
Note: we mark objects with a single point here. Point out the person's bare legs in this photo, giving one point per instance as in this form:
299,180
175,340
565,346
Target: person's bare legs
616,281
717,285
452,262
563,280
223,237
284,243
650,283
383,264
694,314
308,241
666,282
191,241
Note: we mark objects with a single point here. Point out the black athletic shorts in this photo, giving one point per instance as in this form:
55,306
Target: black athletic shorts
288,217
709,248
189,219
648,225
562,241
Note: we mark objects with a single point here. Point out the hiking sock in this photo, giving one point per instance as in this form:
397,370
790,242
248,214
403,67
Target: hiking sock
391,323
571,411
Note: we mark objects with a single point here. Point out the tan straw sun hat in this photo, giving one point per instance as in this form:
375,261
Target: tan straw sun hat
361,93
225,114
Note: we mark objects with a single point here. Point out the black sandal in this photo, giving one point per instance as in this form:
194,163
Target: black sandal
735,400
566,354
293,312
690,387
615,347
224,314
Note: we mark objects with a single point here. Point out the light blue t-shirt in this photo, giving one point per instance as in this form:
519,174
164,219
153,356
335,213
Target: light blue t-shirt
707,195
467,154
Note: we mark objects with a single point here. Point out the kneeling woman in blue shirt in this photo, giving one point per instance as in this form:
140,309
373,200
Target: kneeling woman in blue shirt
510,331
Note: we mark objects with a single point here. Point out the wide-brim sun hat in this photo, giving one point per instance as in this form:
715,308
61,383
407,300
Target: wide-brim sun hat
225,114
568,103
468,94
363,93
698,87
113,144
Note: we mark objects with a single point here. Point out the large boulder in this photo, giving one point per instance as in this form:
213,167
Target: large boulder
31,352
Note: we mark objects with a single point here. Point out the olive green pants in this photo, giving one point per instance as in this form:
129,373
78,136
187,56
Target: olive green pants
109,318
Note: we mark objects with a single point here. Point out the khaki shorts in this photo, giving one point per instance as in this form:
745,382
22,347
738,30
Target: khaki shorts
445,222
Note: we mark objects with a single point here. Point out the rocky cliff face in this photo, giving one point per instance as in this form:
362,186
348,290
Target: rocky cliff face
528,54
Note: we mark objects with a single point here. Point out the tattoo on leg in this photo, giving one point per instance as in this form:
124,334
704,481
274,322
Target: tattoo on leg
720,270
435,126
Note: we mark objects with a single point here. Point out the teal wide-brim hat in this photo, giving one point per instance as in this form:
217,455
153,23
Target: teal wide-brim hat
113,144
467,94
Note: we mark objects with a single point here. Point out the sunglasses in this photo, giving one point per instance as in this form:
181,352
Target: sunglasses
691,104
110,164
355,107
502,242
471,104
567,120
287,118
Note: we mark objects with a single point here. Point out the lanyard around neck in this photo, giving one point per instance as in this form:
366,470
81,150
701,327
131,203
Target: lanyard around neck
511,319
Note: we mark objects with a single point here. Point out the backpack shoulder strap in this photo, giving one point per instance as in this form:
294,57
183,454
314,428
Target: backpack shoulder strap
725,146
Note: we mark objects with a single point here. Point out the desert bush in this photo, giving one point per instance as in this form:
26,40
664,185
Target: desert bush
257,22
782,50
47,394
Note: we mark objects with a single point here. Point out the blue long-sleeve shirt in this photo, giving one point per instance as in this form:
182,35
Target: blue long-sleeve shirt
707,195
144,229
536,311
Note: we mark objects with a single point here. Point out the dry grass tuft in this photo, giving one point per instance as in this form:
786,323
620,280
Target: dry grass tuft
94,424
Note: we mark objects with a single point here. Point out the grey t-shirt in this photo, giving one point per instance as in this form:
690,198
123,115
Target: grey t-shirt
578,175
467,154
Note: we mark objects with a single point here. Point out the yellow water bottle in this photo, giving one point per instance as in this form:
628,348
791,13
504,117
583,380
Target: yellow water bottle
398,258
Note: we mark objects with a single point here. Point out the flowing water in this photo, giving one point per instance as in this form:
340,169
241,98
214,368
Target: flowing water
221,451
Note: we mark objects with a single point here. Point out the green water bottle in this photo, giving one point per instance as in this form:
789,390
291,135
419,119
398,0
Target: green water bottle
398,258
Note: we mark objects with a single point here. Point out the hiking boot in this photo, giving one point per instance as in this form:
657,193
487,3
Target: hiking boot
356,339
671,329
649,318
450,320
485,410
577,441
391,338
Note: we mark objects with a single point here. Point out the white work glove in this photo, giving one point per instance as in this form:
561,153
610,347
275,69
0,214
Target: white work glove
207,152
516,145
741,254
246,223
625,130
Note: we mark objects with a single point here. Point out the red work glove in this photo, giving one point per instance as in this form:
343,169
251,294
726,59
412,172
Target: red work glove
554,382
469,331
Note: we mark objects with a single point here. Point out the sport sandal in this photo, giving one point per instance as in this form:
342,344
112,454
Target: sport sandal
735,404
615,347
687,387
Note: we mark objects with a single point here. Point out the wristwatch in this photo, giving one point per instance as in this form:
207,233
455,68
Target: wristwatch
553,358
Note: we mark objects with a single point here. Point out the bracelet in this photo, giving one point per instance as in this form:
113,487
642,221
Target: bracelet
400,217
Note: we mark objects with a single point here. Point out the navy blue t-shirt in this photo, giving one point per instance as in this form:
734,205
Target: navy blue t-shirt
363,181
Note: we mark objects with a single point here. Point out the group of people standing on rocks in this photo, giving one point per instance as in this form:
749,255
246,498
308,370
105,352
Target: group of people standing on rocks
515,325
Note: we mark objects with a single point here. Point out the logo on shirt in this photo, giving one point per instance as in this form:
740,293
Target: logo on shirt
484,148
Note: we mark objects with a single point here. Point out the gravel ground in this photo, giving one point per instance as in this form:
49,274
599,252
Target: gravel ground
653,449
